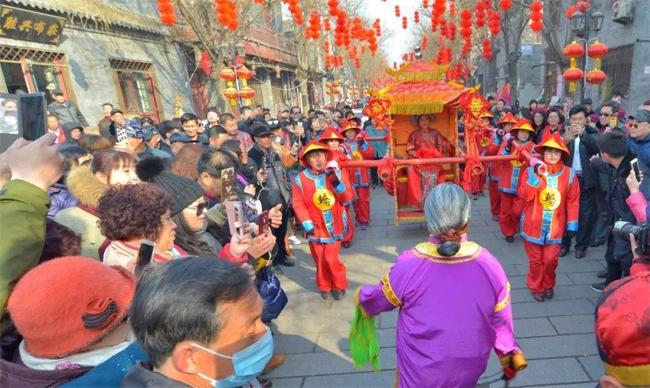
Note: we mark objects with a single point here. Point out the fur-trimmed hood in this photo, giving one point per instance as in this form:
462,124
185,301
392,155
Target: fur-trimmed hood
85,186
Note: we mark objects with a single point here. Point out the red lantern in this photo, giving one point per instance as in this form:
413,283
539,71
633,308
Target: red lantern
247,93
167,12
597,50
573,50
572,74
405,22
244,73
596,76
416,17
570,10
505,4
227,74
583,5
536,25
487,49
397,11
425,4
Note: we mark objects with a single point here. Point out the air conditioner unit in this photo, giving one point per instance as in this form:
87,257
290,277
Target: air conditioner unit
623,11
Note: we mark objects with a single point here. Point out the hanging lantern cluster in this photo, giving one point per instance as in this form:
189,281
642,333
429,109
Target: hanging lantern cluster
536,16
227,14
597,51
398,13
437,14
332,88
425,4
416,17
487,49
425,43
479,15
494,22
573,74
377,26
581,5
296,11
466,30
405,22
313,31
242,74
167,12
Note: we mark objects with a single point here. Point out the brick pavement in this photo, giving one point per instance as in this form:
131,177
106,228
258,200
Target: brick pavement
557,335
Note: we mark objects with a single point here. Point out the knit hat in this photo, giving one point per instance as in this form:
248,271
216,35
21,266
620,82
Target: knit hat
184,191
622,321
64,305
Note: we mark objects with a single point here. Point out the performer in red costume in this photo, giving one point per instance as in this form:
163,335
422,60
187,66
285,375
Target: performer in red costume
519,139
496,137
482,138
426,142
334,141
360,149
551,206
319,193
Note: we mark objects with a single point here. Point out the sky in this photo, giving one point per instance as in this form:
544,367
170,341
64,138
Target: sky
385,10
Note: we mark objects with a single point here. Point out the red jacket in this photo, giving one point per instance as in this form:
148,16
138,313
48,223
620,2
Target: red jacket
360,177
341,155
319,205
509,171
551,205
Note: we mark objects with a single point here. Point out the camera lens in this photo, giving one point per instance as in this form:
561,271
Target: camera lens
622,230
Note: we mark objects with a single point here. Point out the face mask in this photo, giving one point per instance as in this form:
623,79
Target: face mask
248,362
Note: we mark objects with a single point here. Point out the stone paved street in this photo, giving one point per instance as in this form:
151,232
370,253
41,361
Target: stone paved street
557,336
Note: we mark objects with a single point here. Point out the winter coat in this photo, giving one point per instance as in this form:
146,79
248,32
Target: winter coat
23,210
67,112
87,189
277,189
588,148
143,375
15,374
111,372
641,148
60,199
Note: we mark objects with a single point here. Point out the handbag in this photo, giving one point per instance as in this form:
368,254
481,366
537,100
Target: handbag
274,297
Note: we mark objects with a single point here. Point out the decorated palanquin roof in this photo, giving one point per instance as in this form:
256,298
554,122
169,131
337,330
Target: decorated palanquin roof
419,87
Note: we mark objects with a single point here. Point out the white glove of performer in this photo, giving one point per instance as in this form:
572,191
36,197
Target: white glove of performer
332,166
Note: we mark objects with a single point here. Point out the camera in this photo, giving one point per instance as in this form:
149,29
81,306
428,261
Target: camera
641,233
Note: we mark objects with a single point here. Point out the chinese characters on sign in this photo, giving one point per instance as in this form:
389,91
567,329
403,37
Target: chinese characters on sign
32,26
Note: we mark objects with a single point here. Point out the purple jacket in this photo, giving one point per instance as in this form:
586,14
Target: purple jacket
61,199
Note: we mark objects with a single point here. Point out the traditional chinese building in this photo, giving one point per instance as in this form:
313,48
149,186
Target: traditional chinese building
94,51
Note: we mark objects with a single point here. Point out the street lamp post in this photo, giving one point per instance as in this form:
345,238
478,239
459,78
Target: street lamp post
582,25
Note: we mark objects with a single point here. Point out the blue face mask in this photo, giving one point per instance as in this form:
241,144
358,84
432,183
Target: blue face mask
248,363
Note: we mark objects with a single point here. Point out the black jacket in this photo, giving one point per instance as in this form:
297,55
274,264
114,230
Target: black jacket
144,376
277,188
617,192
588,148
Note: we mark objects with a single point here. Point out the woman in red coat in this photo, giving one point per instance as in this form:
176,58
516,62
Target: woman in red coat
551,206
319,193
519,139
333,139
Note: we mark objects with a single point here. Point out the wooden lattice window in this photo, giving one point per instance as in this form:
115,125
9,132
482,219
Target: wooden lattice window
617,64
135,82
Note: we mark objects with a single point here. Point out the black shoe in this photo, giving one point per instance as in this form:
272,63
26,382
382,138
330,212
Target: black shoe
285,262
510,239
602,274
277,270
597,243
598,287
580,253
538,296
346,244
326,295
563,251
338,294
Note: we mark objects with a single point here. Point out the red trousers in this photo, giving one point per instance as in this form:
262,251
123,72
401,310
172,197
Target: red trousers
362,205
495,198
510,210
542,262
349,236
330,271
478,184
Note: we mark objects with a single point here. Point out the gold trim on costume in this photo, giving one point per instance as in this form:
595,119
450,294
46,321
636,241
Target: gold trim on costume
504,303
389,293
429,251
638,375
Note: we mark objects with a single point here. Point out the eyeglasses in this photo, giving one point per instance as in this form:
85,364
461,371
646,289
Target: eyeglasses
201,208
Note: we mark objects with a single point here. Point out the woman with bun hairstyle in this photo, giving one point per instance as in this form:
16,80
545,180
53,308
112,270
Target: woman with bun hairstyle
453,298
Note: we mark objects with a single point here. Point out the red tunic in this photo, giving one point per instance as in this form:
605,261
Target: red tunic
509,171
551,205
328,220
360,177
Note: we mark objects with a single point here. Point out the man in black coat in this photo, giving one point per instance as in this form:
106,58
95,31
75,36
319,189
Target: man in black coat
582,142
616,158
